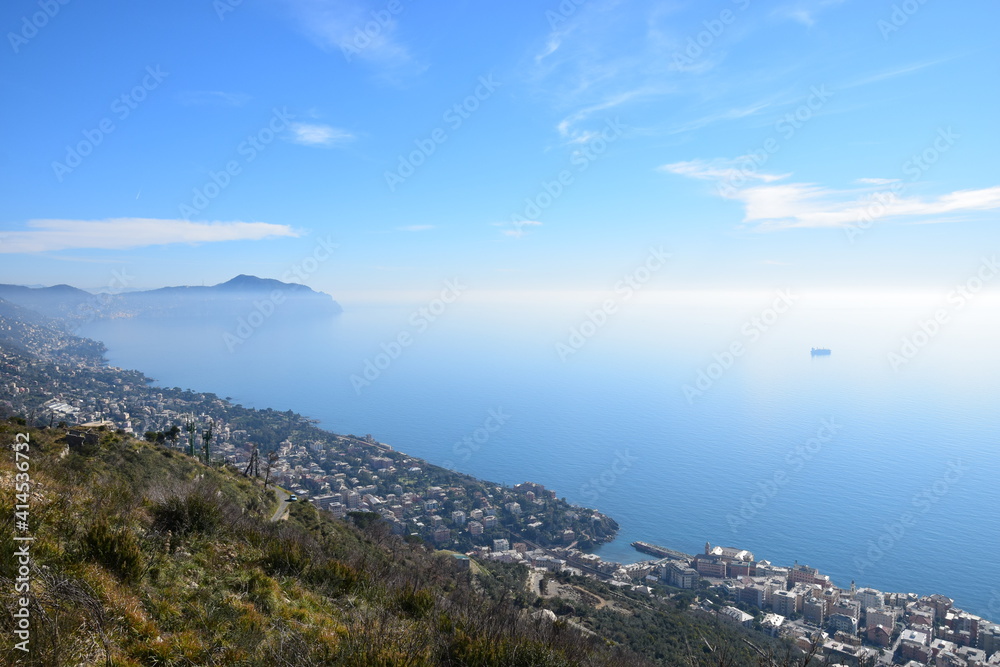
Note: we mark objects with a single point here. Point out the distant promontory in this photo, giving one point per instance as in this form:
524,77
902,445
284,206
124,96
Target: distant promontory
232,297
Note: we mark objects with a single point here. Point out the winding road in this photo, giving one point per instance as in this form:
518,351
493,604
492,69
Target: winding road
282,509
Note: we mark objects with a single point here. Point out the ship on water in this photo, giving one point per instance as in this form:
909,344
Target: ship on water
820,352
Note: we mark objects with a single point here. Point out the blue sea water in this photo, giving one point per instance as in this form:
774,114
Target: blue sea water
885,476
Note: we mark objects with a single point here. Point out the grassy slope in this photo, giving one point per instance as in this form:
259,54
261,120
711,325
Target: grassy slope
146,557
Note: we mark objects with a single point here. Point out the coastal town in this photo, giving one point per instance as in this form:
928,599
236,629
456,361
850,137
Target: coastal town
850,625
64,382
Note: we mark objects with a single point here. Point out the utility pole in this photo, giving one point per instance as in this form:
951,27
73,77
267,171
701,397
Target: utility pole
272,458
190,427
208,444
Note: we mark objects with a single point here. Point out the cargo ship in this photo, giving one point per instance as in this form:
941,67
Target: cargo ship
820,352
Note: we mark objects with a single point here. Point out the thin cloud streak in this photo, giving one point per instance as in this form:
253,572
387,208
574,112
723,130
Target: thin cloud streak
341,25
128,233
776,206
314,134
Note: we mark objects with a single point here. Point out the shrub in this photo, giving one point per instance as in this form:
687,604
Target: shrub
117,549
415,602
285,556
196,513
335,577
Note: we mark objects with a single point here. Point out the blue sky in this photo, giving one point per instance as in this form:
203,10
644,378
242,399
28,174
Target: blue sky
819,144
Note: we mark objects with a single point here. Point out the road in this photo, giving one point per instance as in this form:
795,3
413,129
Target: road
283,497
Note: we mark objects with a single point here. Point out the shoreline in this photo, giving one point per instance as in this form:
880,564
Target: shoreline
317,423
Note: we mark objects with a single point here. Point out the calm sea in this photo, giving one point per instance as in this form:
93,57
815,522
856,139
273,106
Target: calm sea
888,476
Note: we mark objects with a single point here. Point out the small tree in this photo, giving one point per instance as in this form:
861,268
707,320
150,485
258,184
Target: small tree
174,434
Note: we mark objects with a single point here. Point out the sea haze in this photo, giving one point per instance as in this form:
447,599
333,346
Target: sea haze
897,488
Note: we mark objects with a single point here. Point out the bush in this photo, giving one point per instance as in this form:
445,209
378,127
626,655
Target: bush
415,603
285,556
335,577
197,513
117,549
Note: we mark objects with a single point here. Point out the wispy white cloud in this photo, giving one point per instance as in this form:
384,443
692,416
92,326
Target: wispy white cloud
345,26
773,205
566,126
315,134
805,12
125,233
878,181
582,69
720,169
805,205
892,73
212,98
728,114
516,229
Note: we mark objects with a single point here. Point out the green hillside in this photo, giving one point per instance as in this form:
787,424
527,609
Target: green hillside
145,556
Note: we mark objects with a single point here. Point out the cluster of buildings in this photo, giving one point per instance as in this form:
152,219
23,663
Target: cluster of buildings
446,515
797,602
852,624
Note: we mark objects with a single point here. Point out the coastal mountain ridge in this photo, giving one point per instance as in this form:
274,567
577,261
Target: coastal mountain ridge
231,297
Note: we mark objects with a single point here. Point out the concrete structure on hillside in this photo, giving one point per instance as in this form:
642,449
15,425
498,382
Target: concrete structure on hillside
786,603
772,624
736,616
679,575
843,623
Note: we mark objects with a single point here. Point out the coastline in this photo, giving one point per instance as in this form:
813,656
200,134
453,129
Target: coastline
598,545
